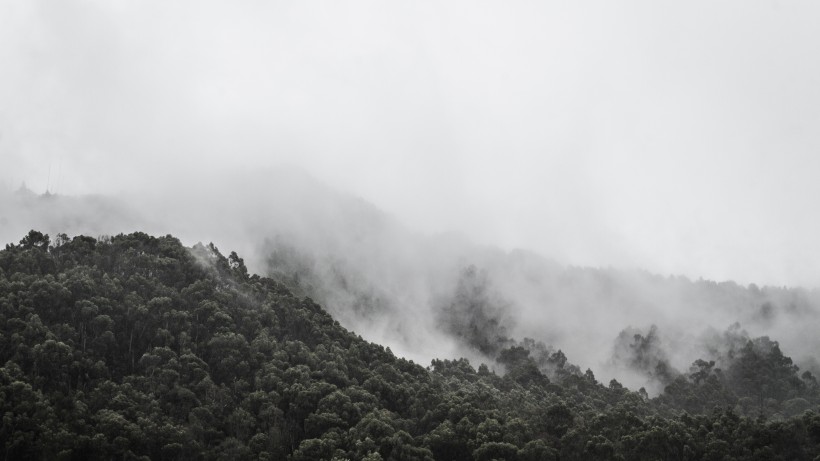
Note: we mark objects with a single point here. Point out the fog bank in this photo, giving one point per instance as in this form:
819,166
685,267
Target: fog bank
676,138
440,295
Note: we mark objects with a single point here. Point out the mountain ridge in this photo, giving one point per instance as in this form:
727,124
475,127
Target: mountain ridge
137,347
396,286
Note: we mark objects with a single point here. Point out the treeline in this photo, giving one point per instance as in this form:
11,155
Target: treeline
135,347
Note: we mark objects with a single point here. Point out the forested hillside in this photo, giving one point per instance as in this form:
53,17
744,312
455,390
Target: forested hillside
136,347
441,296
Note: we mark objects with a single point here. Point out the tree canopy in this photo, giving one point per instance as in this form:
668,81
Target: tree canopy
136,347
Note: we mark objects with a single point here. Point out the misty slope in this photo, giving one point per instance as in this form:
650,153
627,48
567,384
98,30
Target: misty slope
591,314
470,300
430,296
135,347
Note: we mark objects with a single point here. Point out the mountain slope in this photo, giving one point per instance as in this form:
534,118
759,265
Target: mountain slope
438,296
135,347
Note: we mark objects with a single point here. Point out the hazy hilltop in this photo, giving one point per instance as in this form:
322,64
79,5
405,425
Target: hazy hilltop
23,209
441,296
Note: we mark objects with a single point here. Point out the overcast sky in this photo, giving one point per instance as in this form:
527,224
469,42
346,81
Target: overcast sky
681,137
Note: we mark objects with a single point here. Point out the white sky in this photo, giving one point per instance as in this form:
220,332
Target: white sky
682,137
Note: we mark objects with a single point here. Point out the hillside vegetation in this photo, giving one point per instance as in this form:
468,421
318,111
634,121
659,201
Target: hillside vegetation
136,347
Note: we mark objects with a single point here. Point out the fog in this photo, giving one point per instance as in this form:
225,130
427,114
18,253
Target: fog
397,145
440,295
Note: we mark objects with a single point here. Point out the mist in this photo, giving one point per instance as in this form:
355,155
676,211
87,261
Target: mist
441,295
604,168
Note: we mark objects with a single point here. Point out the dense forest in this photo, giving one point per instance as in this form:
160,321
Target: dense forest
136,347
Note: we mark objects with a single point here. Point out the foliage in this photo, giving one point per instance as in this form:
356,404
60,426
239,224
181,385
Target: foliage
135,347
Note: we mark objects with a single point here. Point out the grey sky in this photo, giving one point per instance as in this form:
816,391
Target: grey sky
682,137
